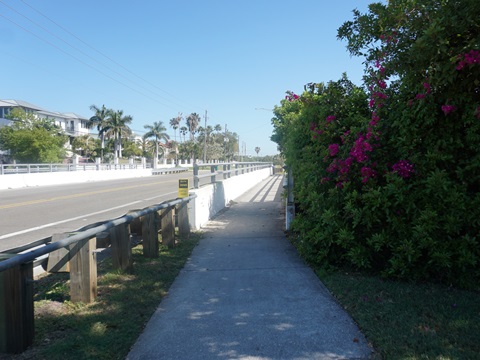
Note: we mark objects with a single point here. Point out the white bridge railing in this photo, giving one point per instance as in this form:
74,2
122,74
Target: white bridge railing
6,169
226,170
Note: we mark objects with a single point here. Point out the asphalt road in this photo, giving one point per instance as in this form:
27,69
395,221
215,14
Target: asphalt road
31,214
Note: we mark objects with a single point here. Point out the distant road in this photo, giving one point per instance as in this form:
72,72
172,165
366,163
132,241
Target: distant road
30,214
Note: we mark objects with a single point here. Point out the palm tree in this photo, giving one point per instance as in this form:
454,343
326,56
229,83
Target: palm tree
144,144
157,130
98,120
175,123
148,147
257,150
183,131
116,125
192,122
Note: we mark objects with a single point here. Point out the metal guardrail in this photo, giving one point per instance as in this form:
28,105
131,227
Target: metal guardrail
6,169
228,170
16,270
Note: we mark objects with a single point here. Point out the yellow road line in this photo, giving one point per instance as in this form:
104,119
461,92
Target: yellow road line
73,196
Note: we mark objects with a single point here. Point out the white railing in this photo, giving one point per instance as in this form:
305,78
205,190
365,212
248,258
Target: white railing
226,170
6,169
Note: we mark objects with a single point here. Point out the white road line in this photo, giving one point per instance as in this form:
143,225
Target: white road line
6,236
64,221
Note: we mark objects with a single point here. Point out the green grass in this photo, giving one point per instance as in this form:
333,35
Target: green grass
410,321
401,320
109,327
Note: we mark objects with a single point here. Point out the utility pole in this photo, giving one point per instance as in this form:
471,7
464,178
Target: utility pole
225,143
205,141
240,150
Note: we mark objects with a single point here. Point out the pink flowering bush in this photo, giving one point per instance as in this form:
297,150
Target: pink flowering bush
333,149
403,168
470,58
291,96
367,174
447,109
429,174
387,179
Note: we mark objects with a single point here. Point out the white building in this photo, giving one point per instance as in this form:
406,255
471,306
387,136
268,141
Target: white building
74,125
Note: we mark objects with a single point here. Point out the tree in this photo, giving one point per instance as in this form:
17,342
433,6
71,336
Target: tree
230,145
84,145
423,67
175,123
183,131
157,130
172,147
192,123
389,181
32,140
98,121
116,125
189,150
147,147
205,138
257,149
131,148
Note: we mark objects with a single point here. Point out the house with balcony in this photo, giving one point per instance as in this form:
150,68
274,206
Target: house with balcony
72,124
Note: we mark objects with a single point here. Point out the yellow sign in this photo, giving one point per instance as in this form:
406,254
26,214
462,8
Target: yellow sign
183,188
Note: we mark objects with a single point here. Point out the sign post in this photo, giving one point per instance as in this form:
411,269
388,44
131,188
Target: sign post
183,188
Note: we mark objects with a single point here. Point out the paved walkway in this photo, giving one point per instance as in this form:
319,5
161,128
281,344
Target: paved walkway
245,294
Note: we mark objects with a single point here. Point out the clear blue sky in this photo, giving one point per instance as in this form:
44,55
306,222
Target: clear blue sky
155,58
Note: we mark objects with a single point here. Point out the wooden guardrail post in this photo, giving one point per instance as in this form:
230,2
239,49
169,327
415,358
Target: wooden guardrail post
121,249
16,308
135,224
59,260
83,271
168,227
182,218
150,235
103,240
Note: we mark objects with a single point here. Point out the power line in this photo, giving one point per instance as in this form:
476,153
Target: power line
81,61
77,49
88,56
106,57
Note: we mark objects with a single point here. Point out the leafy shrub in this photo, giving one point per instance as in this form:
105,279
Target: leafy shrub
389,181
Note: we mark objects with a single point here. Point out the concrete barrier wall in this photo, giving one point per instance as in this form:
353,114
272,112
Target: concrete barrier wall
210,199
14,181
215,197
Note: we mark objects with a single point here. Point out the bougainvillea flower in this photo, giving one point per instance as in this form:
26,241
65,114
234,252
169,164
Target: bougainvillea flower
447,109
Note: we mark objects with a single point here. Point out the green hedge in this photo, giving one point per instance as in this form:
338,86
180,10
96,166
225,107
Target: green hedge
387,176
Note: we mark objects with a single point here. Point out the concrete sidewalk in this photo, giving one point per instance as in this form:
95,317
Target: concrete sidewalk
245,294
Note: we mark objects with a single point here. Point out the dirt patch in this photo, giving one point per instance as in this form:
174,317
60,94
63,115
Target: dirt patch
49,308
